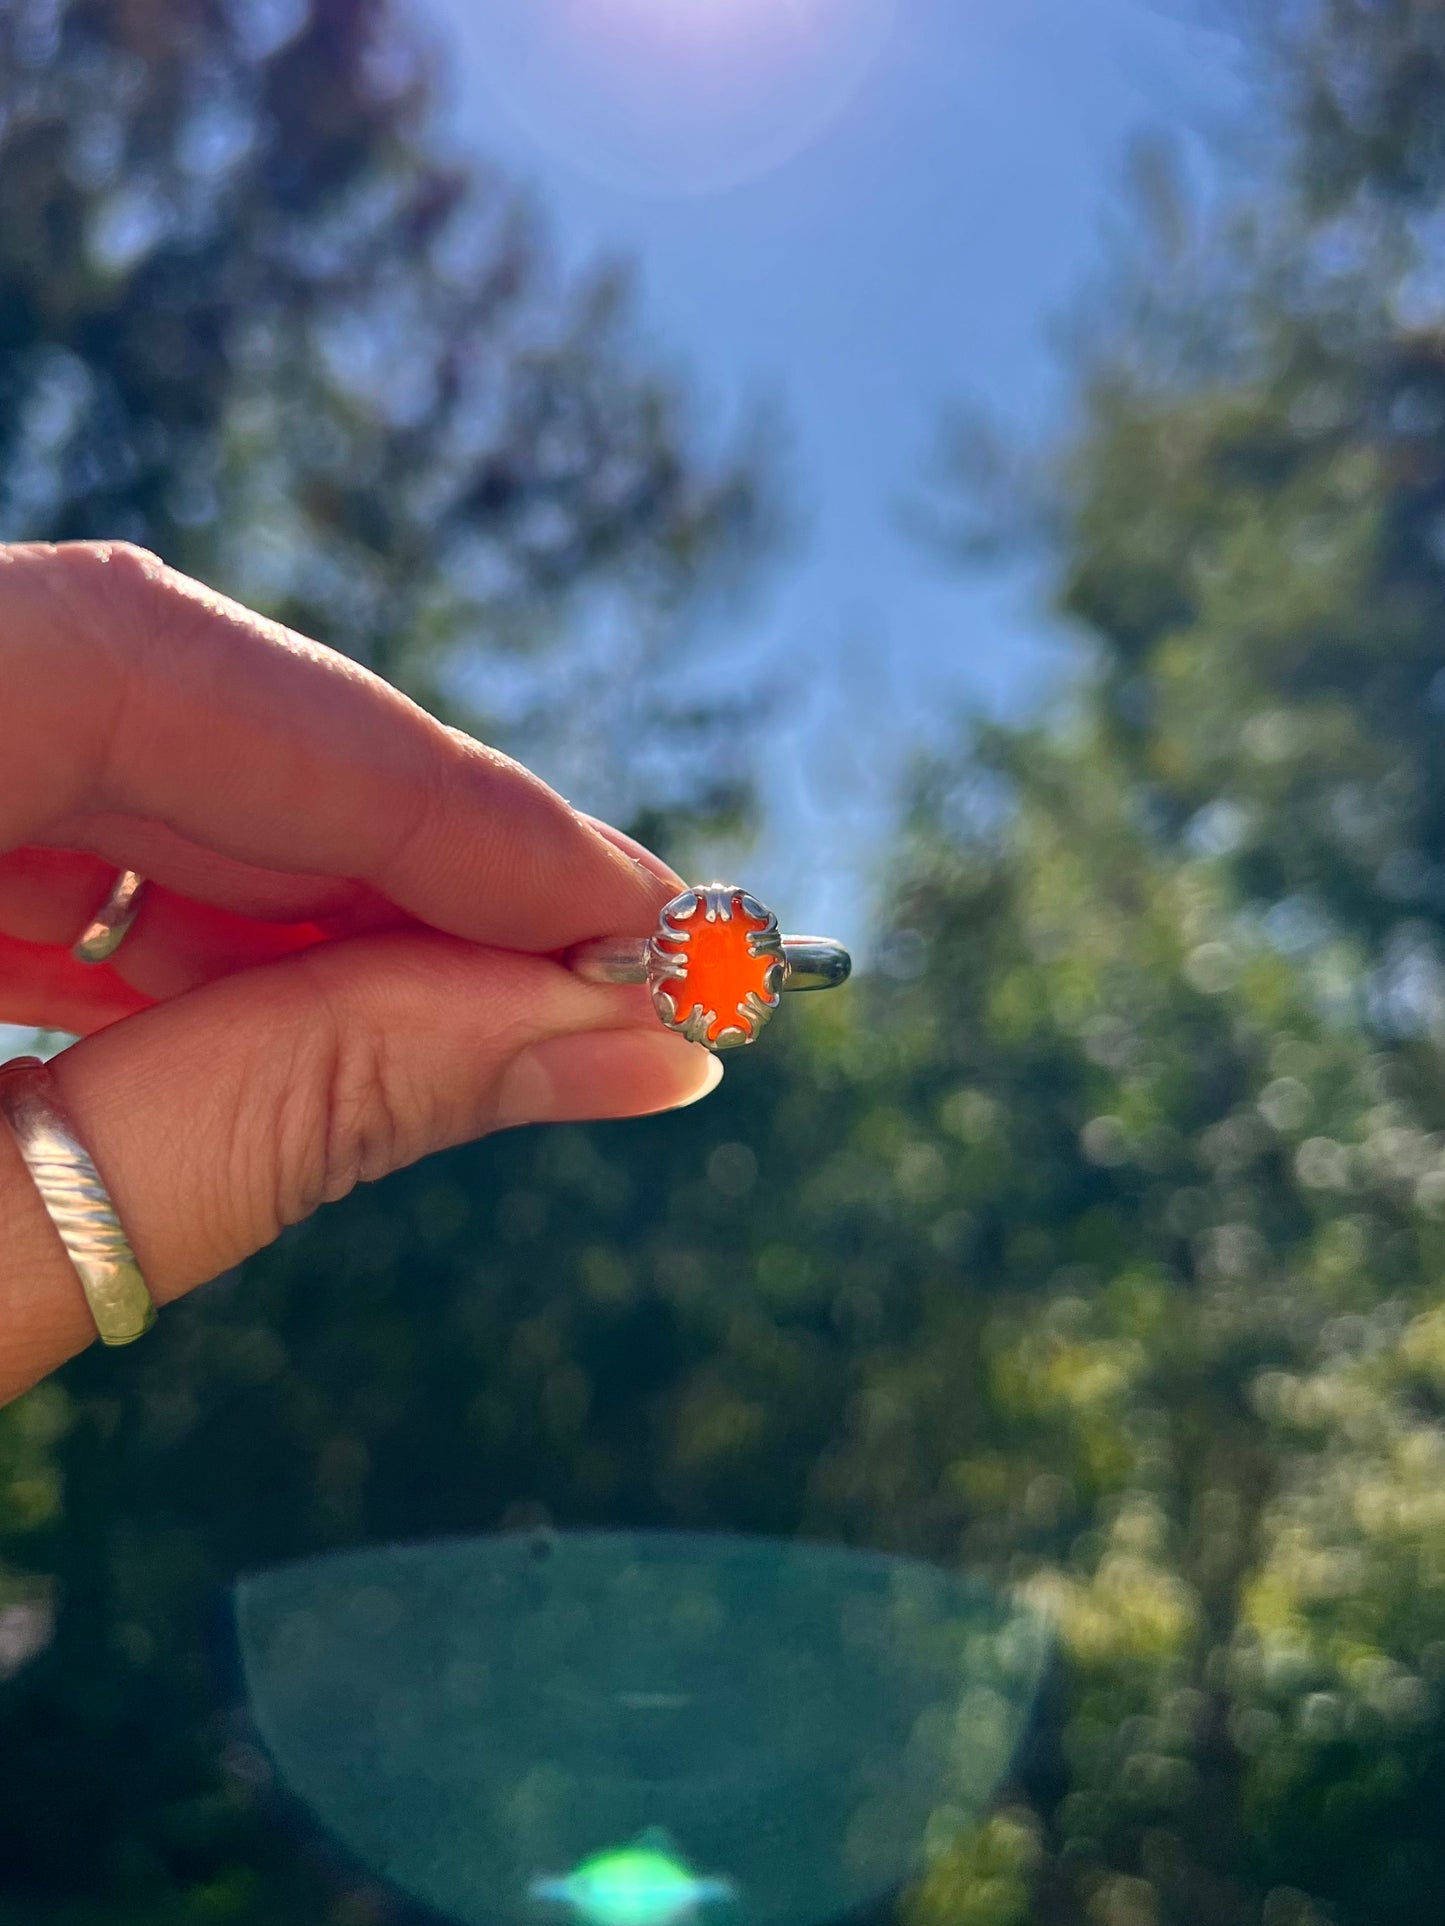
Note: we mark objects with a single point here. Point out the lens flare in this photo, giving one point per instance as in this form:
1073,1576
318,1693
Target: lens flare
644,1884
677,97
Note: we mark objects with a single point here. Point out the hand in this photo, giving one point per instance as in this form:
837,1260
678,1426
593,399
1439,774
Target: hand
344,958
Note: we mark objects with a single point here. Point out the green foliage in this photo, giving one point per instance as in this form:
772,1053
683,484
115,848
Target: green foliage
1364,87
1261,558
253,314
1198,1437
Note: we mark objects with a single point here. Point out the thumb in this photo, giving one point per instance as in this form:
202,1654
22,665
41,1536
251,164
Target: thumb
223,1115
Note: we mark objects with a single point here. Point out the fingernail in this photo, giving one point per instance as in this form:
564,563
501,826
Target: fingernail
604,1073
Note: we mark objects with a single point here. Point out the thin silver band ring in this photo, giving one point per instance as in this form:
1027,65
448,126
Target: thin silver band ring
814,962
76,1201
111,924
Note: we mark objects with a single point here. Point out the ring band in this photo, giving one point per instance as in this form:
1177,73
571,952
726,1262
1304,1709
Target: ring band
717,964
110,926
76,1201
814,962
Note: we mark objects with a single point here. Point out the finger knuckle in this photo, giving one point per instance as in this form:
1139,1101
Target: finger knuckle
123,577
74,619
129,562
110,600
93,588
348,1119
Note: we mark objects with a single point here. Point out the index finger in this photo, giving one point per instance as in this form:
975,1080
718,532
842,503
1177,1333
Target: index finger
130,688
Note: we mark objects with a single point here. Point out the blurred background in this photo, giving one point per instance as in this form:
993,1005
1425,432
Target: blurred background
976,473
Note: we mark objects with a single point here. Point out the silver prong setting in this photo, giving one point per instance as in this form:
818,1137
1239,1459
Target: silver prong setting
696,1025
794,962
686,971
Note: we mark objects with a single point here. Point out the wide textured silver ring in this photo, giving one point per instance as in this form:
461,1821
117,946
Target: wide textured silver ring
111,924
717,964
77,1201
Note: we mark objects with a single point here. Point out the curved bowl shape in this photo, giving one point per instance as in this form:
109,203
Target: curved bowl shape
779,1731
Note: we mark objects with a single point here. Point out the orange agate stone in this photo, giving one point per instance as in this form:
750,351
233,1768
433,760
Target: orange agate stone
716,966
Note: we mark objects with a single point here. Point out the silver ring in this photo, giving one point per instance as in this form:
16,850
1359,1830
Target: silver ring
111,924
77,1202
716,964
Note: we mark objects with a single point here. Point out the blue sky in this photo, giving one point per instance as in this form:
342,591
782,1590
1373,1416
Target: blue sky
955,161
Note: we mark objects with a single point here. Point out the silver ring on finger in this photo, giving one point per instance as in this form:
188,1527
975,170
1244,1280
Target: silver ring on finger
112,922
717,964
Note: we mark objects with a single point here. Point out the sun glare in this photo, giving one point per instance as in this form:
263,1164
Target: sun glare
762,24
669,97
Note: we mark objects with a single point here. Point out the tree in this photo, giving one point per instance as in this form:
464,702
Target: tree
1202,937
1363,88
253,314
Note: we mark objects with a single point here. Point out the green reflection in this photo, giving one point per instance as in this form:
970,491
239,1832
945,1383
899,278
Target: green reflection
643,1884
